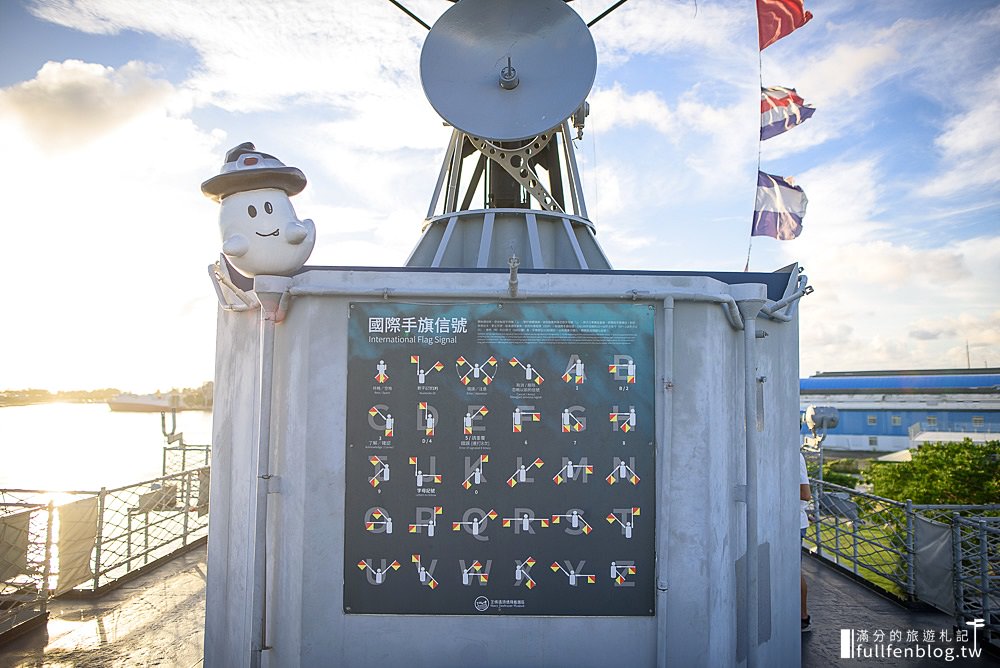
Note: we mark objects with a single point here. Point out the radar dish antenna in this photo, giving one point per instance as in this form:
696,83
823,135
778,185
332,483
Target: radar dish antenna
508,70
511,77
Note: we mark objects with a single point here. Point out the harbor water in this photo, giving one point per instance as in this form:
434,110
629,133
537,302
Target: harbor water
69,446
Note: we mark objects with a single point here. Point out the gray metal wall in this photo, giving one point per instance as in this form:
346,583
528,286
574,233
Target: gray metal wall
700,432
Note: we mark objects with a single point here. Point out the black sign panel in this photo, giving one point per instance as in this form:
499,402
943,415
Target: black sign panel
500,459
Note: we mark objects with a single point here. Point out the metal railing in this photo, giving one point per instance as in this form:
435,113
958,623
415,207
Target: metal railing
876,539
25,559
866,534
918,428
137,525
976,545
177,454
147,521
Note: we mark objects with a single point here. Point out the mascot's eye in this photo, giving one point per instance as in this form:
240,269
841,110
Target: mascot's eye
252,210
268,207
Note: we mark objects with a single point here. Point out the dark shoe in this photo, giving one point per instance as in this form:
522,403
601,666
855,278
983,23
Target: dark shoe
807,624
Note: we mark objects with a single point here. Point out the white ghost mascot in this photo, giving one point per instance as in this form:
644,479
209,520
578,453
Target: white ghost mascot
260,232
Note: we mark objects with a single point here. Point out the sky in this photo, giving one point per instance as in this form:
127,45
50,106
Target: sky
112,113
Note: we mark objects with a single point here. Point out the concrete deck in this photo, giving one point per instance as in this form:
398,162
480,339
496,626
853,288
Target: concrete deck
158,619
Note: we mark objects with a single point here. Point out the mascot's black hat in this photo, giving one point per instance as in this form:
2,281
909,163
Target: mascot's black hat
249,169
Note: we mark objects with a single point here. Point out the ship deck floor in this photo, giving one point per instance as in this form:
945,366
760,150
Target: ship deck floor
158,620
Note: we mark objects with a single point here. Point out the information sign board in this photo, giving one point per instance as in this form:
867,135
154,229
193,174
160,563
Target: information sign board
500,459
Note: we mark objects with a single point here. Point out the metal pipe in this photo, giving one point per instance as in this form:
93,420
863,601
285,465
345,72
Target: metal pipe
443,174
575,186
985,578
771,310
911,586
454,174
665,428
728,303
47,566
99,540
749,309
958,591
271,309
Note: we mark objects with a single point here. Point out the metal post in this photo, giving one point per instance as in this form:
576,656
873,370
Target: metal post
454,175
836,537
272,304
575,186
984,577
817,490
956,570
854,551
662,476
749,309
445,163
100,536
911,586
187,507
47,566
128,543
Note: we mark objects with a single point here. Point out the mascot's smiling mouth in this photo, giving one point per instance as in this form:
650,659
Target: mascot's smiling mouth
272,234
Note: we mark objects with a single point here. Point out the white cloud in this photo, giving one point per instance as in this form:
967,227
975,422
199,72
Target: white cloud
970,142
111,292
654,27
72,102
256,54
615,106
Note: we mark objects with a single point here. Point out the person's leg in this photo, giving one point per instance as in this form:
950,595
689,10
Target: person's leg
806,622
805,611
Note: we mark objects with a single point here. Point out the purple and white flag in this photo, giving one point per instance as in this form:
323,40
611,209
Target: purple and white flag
779,209
781,109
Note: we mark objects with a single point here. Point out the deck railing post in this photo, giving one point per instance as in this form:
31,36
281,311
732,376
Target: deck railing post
47,565
854,543
187,506
100,536
984,577
911,586
956,570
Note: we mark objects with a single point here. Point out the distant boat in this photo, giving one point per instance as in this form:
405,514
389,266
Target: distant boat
145,403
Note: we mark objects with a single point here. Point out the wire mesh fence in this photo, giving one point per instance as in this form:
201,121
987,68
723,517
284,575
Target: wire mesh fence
976,544
914,551
52,543
147,521
863,533
25,558
185,456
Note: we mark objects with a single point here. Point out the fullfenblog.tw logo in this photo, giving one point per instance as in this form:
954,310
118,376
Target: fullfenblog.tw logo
946,644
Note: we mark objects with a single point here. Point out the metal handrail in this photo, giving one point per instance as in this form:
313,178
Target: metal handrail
876,536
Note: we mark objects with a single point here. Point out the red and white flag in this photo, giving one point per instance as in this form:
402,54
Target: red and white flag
777,18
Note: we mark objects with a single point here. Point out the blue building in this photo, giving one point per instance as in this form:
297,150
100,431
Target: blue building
886,411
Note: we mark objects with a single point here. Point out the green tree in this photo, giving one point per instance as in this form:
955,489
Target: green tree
947,473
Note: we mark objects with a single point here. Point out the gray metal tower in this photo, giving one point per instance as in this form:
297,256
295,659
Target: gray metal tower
512,80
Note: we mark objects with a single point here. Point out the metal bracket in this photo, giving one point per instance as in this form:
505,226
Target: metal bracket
225,289
515,162
513,262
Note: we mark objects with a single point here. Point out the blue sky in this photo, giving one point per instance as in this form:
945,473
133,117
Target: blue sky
113,113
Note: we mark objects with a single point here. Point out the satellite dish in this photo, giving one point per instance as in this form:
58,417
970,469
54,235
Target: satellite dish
508,70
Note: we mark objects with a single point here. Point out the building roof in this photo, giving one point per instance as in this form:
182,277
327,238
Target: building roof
931,381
